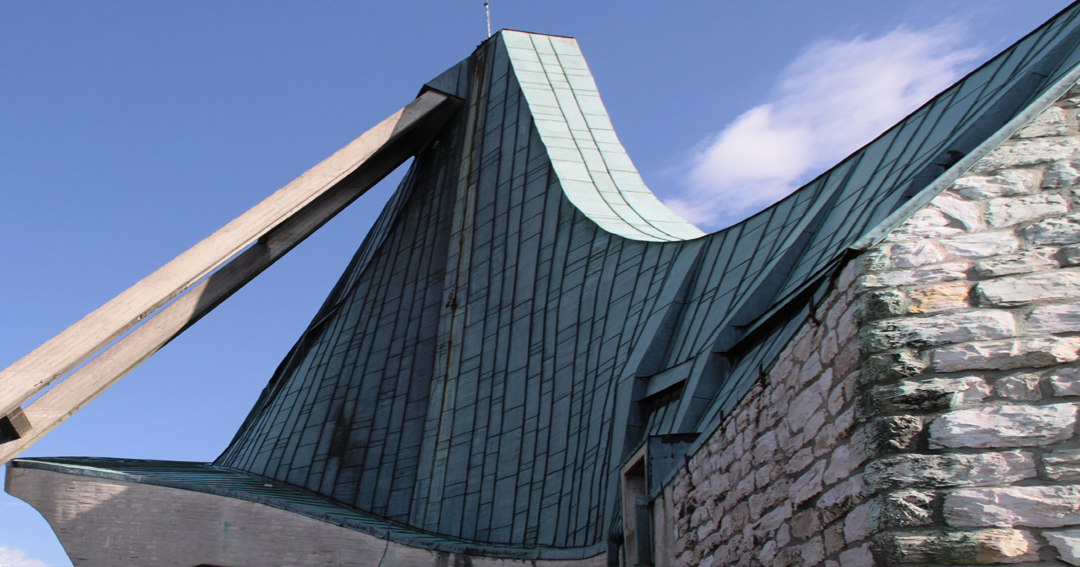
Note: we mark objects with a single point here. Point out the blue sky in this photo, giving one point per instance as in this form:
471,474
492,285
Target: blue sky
130,130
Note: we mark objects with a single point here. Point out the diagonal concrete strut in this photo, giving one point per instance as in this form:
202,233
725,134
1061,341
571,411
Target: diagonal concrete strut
253,241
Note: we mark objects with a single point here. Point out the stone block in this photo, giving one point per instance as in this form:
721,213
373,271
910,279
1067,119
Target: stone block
743,489
847,275
1002,212
1024,386
1011,264
826,439
809,484
739,517
1038,352
1070,255
1004,426
706,530
805,524
834,538
839,395
765,447
814,424
810,370
767,552
1063,465
898,509
836,309
1069,100
875,259
1073,195
889,434
803,343
858,557
892,510
1026,152
923,275
1050,122
1004,184
1067,544
946,297
829,346
1055,318
1030,506
719,483
805,405
952,469
847,326
958,547
841,498
770,522
1065,381
1059,230
775,494
1019,290
928,222
698,517
847,361
789,557
936,394
905,508
813,551
937,329
913,254
892,365
844,460
981,245
963,212
883,303
783,535
862,522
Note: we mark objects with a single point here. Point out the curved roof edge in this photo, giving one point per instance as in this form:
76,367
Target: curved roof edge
971,119
594,170
226,482
967,163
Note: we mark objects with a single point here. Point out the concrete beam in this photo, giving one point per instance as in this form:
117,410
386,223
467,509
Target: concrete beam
14,426
260,236
104,522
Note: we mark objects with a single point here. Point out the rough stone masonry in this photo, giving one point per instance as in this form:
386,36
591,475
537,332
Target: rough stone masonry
927,413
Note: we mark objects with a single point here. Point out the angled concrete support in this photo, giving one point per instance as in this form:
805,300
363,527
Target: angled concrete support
13,426
256,238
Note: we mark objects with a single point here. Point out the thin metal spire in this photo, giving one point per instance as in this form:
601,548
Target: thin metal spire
487,11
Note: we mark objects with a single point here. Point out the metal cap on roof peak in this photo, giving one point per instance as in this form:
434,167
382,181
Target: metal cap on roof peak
564,106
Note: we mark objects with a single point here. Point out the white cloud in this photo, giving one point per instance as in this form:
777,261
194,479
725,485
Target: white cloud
11,557
830,101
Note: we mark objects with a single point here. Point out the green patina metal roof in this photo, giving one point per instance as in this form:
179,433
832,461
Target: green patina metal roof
596,174
525,313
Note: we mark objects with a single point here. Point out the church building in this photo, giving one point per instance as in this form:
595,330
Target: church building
531,361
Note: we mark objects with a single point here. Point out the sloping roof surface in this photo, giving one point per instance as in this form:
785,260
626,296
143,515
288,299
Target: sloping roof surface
525,313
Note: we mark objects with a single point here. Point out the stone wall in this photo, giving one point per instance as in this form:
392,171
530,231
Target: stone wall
772,485
929,416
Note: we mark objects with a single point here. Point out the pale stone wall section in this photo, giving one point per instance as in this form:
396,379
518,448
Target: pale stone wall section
987,358
772,486
930,417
